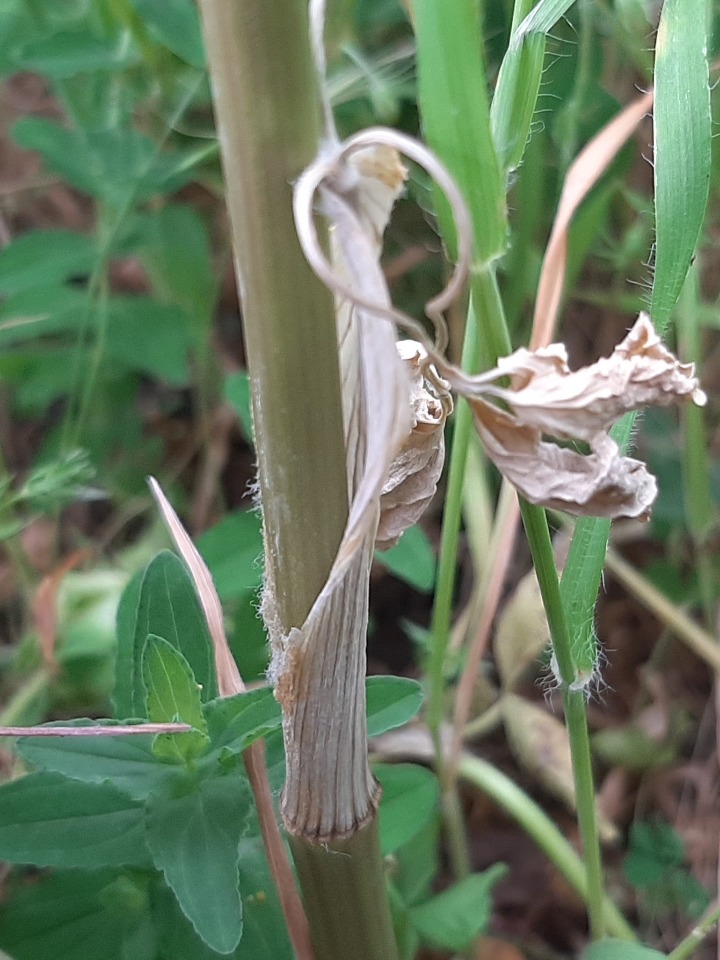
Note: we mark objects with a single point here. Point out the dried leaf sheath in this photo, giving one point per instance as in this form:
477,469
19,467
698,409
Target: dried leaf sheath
319,667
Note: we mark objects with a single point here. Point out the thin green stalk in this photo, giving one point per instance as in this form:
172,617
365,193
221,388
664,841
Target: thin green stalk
543,831
538,535
692,941
486,316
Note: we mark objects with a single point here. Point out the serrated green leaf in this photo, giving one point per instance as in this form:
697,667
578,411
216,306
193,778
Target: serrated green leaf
620,950
391,702
233,551
51,821
194,840
410,797
172,691
78,915
45,257
176,25
173,694
411,559
128,762
235,722
168,607
455,917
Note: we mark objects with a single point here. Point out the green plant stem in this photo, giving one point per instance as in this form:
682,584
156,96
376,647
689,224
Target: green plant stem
485,333
535,522
692,941
340,880
543,831
267,108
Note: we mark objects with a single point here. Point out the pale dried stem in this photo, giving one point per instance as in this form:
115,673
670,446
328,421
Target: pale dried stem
97,730
503,540
584,173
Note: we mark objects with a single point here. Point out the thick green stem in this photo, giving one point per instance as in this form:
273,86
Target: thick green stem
268,114
267,109
340,880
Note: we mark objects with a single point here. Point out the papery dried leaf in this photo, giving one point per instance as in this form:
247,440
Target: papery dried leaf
550,399
319,666
598,484
540,744
415,470
579,404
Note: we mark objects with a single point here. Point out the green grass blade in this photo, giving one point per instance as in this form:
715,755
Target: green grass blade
543,17
581,576
516,90
453,99
682,146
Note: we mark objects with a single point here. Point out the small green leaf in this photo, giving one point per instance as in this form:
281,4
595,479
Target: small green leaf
620,950
42,311
173,694
235,722
44,257
654,849
128,762
149,337
194,839
411,559
50,821
452,919
233,551
409,799
168,607
391,702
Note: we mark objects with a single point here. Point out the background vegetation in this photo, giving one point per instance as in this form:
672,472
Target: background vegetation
121,355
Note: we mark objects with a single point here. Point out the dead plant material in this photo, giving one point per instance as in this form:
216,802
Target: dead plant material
415,470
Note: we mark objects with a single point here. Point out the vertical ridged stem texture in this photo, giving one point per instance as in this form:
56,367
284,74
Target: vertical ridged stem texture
268,118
